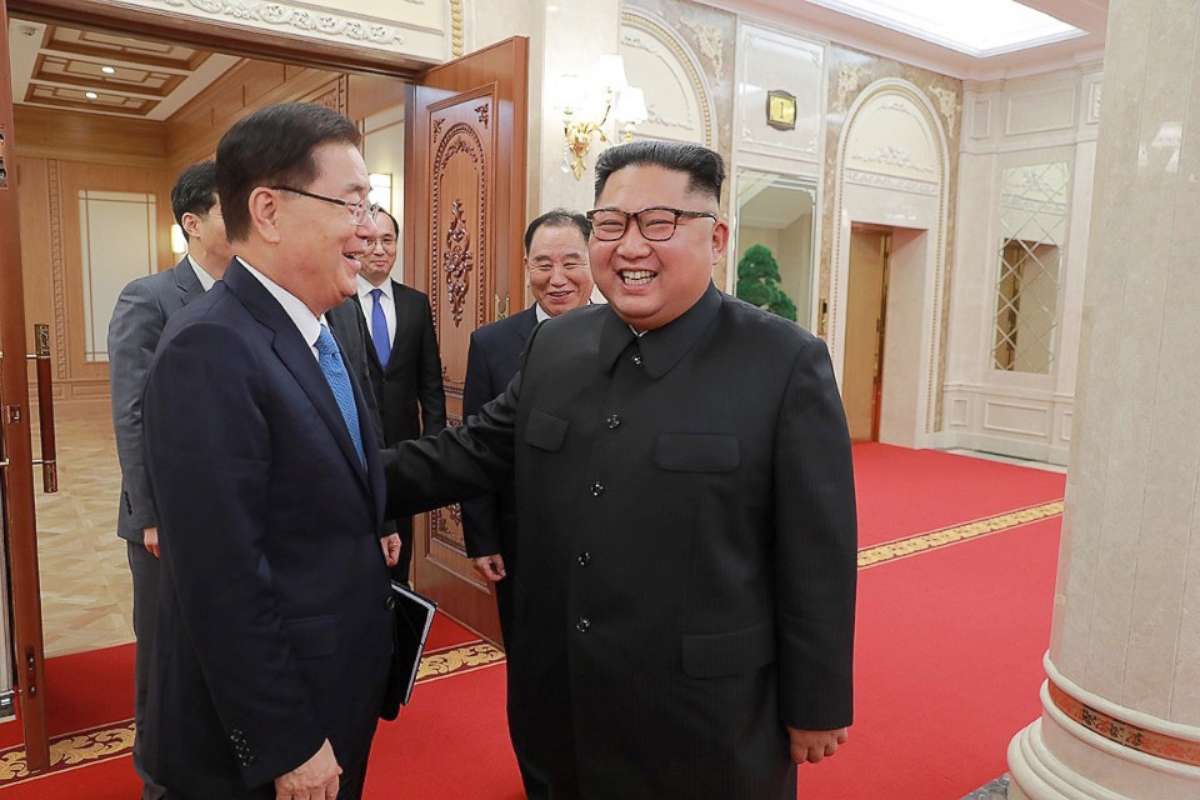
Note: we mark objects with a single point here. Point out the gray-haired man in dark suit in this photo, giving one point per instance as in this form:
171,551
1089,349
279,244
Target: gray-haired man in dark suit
137,323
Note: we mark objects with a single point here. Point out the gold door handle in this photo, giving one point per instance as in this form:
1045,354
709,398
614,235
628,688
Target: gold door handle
45,384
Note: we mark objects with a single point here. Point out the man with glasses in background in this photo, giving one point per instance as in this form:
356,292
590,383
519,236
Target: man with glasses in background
684,605
387,331
275,619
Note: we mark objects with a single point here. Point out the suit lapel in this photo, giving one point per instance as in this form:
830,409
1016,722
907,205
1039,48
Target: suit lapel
186,281
397,337
298,357
368,342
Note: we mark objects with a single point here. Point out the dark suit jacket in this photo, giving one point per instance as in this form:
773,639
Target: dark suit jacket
687,545
274,630
137,323
494,357
413,374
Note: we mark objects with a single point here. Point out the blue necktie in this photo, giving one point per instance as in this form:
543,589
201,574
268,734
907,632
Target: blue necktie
330,360
379,331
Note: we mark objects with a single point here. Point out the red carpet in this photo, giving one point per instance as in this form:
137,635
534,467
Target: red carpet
948,660
902,492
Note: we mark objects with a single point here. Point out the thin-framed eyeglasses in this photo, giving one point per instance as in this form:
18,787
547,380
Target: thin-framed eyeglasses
359,210
388,241
656,223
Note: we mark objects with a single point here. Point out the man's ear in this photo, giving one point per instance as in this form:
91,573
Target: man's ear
720,240
264,214
191,224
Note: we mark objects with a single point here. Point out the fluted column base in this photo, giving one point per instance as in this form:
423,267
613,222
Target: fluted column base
1056,758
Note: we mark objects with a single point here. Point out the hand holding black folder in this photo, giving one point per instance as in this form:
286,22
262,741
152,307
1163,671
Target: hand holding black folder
413,617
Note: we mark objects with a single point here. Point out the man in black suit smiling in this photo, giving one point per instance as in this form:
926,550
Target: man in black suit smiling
560,279
684,602
387,328
275,621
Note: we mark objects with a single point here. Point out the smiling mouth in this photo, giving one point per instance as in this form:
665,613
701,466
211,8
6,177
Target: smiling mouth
353,259
636,277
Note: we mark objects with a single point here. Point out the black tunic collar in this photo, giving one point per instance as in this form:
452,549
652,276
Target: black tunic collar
662,348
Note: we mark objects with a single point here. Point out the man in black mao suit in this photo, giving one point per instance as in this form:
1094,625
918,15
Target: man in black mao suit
274,635
388,327
137,323
560,279
684,604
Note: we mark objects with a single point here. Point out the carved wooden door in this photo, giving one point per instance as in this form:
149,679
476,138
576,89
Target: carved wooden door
16,451
464,217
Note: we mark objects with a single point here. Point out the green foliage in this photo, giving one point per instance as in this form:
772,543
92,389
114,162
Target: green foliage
758,283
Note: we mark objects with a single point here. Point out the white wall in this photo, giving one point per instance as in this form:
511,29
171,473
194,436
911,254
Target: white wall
1051,117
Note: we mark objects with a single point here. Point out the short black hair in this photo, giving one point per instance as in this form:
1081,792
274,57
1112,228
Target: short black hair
273,147
705,168
395,224
195,192
558,218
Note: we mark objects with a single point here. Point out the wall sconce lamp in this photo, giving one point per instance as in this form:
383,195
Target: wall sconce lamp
589,107
178,240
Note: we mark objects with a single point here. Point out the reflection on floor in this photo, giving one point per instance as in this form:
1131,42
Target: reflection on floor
87,599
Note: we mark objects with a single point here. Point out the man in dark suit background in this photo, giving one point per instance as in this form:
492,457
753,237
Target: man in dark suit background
137,323
560,279
275,621
684,603
388,327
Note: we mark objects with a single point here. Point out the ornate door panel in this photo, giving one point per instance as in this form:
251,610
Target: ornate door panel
464,217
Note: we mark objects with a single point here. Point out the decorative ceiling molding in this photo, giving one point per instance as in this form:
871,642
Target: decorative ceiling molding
337,27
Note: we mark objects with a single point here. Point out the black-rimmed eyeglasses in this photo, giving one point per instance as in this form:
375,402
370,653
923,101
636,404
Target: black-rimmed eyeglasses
358,210
657,223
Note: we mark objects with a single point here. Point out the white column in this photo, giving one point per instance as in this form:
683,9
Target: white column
1121,704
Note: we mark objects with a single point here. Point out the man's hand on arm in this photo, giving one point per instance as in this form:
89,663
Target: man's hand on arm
150,539
491,567
812,746
315,779
391,549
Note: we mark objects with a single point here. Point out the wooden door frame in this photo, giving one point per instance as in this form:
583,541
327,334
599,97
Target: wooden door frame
16,448
104,15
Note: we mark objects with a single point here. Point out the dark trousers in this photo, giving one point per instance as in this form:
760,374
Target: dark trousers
144,568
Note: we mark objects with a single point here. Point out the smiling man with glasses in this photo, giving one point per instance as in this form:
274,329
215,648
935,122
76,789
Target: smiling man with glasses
275,634
684,606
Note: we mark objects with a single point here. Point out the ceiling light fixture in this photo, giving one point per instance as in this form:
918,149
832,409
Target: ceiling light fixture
981,28
109,70
91,95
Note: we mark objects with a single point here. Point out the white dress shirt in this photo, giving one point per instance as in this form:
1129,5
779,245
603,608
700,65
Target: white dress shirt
541,313
206,280
308,323
387,300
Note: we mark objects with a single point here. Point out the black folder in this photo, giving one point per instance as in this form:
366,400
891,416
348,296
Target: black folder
413,617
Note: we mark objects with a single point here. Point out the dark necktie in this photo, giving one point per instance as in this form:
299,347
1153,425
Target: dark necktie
379,330
330,360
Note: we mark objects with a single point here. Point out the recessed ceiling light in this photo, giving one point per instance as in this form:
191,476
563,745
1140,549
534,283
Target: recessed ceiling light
109,70
91,95
980,28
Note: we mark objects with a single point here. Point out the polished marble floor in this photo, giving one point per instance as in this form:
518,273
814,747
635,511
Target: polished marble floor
87,599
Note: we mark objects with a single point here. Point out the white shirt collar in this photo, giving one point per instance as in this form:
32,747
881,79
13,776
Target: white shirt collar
542,316
308,323
365,287
206,280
